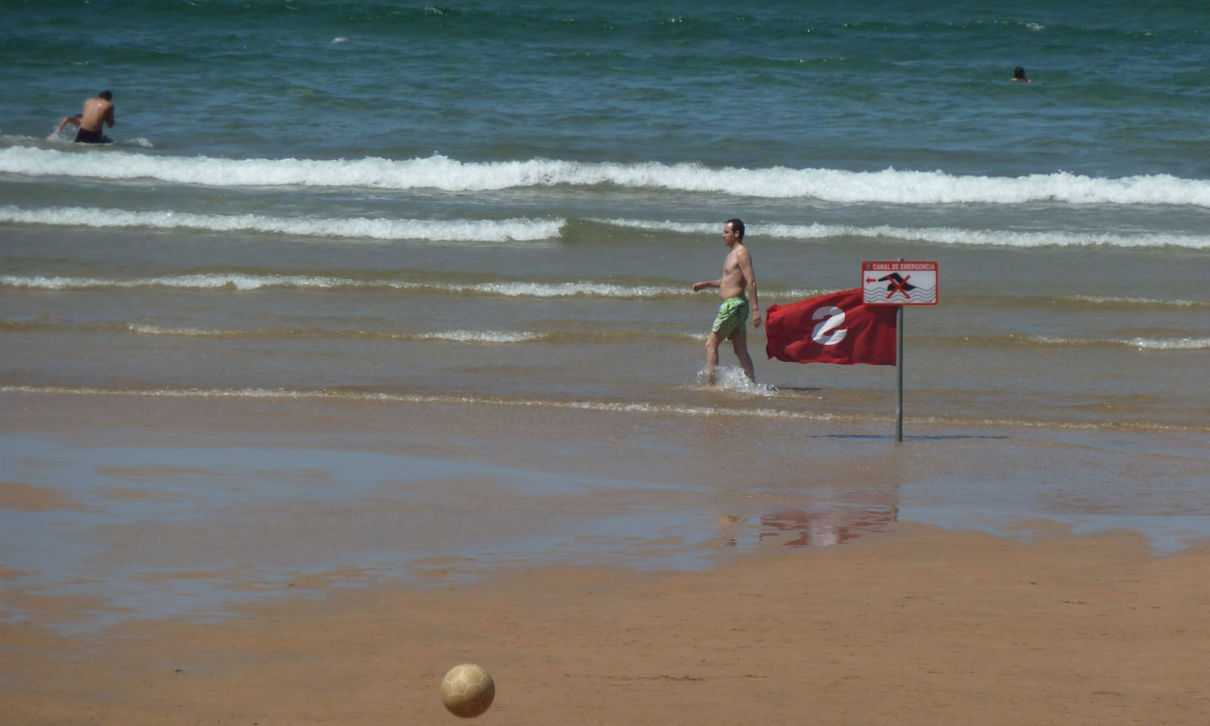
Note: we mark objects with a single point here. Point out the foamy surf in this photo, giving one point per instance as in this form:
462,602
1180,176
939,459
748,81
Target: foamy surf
533,230
889,186
1139,343
402,398
580,336
735,380
614,407
1111,300
138,329
249,282
933,235
455,230
245,282
480,336
449,336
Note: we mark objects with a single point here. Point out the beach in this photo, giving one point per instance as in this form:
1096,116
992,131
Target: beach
601,579
370,347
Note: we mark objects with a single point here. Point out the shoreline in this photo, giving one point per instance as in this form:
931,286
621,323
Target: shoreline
239,496
737,399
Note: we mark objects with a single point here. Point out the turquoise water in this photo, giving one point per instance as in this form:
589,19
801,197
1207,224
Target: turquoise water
388,196
1117,90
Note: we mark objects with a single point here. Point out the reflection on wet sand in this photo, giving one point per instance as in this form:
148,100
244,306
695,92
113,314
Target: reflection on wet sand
825,527
814,524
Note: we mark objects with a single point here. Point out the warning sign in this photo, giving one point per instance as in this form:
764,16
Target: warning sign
899,282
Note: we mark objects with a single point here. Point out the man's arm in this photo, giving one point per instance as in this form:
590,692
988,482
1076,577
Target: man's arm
74,120
706,283
745,266
109,118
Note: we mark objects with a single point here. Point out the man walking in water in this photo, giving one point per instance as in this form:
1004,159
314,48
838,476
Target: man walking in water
97,112
737,282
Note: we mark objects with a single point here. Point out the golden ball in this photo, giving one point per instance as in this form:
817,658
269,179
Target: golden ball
467,690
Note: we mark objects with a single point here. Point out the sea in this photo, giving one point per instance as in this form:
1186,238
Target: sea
476,225
510,200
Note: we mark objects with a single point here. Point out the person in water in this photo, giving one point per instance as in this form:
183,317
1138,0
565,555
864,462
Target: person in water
97,113
734,287
1019,75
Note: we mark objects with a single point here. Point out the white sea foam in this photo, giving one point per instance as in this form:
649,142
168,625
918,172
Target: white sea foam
139,329
481,336
244,282
578,337
455,230
936,235
1169,343
339,395
439,172
199,281
1138,343
569,289
1117,300
582,288
454,336
638,408
734,379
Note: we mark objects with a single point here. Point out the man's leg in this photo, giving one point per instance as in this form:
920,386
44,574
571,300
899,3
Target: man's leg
712,342
739,341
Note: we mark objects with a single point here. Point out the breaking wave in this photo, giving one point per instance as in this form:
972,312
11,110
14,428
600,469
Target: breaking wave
455,230
890,186
935,235
247,282
535,230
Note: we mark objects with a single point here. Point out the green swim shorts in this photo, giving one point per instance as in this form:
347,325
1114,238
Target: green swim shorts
732,315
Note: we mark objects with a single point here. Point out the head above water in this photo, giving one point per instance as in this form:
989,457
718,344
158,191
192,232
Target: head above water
1019,74
106,94
737,226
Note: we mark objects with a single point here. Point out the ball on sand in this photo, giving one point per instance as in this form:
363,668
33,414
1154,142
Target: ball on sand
467,690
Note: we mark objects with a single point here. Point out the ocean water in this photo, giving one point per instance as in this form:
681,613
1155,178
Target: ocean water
506,203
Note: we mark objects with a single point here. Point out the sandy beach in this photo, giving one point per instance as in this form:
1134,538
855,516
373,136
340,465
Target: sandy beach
921,627
291,562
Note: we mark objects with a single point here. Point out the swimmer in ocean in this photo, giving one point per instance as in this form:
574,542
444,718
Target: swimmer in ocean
98,112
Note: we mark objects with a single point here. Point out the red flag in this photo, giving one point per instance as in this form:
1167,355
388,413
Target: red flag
833,328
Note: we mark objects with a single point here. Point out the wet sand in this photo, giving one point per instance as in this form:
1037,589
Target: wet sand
23,497
202,561
920,627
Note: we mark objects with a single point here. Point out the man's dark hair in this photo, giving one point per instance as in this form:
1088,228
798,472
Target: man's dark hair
737,225
1019,73
107,95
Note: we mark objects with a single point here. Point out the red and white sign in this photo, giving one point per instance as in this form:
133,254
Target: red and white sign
899,282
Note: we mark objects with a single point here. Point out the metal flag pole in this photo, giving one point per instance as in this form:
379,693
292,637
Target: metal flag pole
899,372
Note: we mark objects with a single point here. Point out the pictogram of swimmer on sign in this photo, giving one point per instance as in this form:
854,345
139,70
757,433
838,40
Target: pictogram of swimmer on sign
895,283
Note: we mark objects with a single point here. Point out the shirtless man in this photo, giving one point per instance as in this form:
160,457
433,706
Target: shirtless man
97,112
737,282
